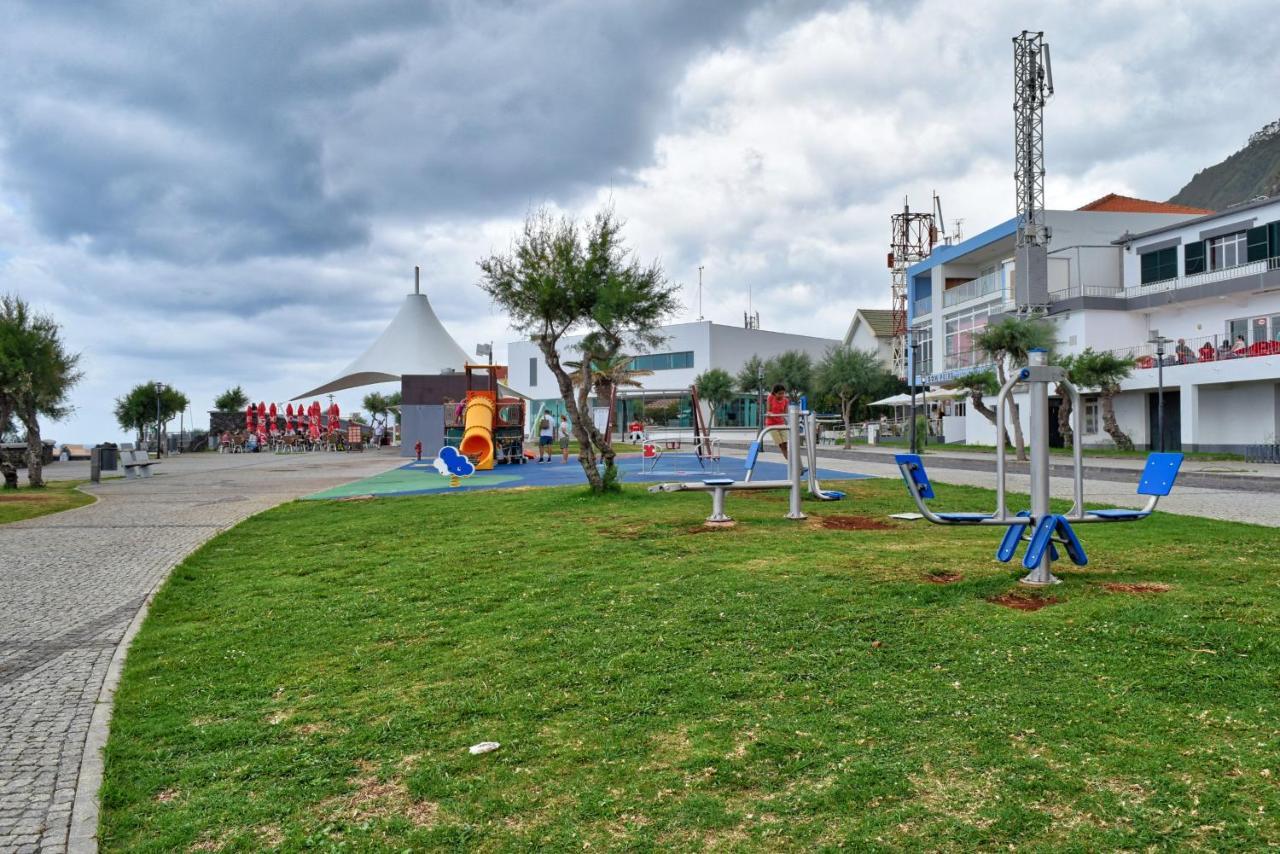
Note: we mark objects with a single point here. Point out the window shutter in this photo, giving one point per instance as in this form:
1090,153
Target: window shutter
1148,267
1193,258
1256,239
1274,228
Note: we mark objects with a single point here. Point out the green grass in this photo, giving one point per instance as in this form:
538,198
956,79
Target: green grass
28,503
312,679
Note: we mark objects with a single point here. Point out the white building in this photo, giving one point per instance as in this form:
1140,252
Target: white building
687,350
872,329
1120,271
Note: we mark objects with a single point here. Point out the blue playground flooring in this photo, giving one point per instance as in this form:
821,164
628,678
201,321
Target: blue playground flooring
421,478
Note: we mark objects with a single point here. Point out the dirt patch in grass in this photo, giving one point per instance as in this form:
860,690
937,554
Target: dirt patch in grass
376,798
853,523
710,528
1141,587
943,576
1024,600
167,796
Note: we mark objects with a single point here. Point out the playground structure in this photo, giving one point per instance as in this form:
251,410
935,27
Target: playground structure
1038,526
491,428
800,424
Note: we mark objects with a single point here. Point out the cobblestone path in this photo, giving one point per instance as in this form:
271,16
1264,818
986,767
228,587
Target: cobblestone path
71,583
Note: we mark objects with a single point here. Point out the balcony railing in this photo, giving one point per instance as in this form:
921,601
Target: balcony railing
1189,351
982,286
923,306
1086,291
1252,268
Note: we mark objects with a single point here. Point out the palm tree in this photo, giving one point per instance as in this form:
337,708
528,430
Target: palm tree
36,374
715,388
231,400
378,405
1007,344
1104,371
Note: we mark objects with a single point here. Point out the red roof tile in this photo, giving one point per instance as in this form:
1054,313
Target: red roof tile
1113,203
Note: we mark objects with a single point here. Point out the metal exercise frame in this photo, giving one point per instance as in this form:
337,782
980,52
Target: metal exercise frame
1047,529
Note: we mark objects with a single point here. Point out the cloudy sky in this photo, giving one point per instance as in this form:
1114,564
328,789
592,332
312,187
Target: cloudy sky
223,193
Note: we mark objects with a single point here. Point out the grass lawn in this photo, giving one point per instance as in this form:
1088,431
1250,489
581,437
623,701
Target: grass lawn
27,503
312,679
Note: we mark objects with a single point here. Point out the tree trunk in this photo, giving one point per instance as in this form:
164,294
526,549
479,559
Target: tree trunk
1064,416
580,416
35,451
1109,423
7,468
975,398
846,411
1019,443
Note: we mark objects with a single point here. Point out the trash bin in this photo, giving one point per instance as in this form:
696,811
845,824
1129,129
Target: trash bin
873,434
109,457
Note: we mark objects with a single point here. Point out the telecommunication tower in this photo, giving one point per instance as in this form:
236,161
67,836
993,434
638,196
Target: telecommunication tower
1032,88
914,234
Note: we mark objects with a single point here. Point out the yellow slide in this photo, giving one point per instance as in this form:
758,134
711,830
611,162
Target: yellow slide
477,431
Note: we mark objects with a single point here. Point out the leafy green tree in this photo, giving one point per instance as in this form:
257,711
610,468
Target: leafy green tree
750,377
378,405
849,376
561,276
36,375
1007,343
7,468
793,368
1067,363
394,401
137,410
715,388
231,400
979,384
1105,371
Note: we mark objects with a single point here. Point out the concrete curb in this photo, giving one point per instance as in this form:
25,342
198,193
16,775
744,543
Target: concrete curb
82,837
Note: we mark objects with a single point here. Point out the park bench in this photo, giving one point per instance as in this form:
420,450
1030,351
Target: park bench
137,464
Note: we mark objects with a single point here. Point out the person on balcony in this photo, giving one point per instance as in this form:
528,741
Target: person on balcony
1183,352
1239,348
1224,349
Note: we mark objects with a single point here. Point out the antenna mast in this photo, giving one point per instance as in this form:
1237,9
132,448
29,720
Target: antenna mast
1032,88
913,237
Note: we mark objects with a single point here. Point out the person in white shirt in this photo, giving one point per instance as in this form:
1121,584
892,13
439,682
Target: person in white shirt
546,430
563,434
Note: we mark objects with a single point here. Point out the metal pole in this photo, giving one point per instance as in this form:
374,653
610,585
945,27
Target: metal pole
1160,392
1038,401
914,447
158,450
793,459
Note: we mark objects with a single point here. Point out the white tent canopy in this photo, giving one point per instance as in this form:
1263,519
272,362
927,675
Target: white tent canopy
905,399
415,342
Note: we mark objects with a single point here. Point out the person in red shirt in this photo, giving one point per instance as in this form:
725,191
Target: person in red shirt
776,406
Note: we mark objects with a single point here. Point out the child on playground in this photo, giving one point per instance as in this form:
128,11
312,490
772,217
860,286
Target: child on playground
776,406
562,432
545,432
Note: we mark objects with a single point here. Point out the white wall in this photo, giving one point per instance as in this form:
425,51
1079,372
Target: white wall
1190,234
1243,414
864,338
732,346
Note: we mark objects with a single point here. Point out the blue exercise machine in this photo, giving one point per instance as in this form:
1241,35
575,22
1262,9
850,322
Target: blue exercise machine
1042,530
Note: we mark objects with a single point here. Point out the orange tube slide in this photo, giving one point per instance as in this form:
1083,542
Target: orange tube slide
477,432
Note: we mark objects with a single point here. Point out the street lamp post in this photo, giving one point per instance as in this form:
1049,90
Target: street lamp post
760,397
915,352
159,447
1159,340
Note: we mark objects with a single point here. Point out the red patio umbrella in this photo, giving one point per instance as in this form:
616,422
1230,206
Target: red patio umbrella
275,425
288,416
249,414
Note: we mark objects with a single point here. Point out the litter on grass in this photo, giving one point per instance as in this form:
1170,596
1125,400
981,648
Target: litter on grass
483,747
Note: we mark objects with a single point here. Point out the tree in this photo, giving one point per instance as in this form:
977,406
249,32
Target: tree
793,368
394,401
750,377
608,374
715,388
7,468
848,376
980,385
561,276
1067,363
231,400
1104,371
36,375
1007,344
378,405
137,410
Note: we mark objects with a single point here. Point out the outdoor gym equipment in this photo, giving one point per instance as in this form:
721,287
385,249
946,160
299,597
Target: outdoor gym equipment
1042,530
719,486
809,430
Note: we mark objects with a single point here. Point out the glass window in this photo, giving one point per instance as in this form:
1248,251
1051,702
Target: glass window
1258,330
663,361
924,351
533,371
960,330
1090,417
1193,258
1227,251
1237,329
1275,327
1160,265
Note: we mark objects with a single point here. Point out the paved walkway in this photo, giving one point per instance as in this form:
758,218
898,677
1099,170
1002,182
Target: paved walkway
72,584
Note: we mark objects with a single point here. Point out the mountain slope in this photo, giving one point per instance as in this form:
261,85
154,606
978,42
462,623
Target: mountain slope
1252,171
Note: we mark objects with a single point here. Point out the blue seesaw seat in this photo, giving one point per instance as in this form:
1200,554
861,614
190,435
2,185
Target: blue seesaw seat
918,480
1157,480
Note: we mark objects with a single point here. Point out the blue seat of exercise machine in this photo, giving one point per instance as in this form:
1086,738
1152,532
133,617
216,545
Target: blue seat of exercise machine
916,477
1013,536
1042,538
1119,514
1159,474
752,452
718,481
1075,549
1157,478
964,518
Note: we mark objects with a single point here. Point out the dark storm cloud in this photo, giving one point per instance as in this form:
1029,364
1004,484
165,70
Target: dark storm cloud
234,130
